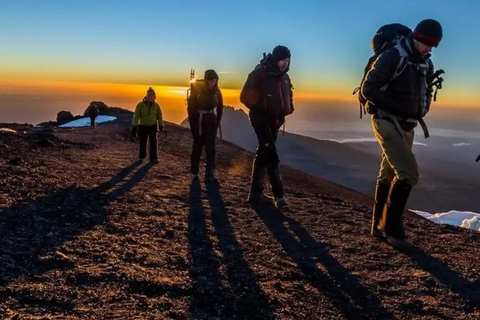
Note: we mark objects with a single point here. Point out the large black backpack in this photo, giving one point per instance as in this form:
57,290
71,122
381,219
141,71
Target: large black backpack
387,37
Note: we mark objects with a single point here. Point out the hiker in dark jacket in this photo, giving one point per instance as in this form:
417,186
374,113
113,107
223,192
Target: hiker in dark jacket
268,95
93,113
205,110
478,158
147,120
400,105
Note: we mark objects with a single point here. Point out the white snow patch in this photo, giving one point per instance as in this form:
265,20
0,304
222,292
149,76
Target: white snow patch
360,140
85,122
464,219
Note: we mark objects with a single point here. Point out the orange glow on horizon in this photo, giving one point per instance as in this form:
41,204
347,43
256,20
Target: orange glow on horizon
171,98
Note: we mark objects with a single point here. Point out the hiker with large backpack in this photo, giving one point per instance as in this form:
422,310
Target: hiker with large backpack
398,90
205,110
268,95
147,121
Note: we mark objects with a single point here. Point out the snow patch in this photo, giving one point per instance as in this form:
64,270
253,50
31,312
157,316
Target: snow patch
360,140
7,130
464,219
85,122
462,144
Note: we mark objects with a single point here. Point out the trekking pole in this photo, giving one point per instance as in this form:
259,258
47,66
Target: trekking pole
220,131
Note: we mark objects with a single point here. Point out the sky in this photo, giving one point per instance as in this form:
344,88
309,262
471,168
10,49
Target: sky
60,54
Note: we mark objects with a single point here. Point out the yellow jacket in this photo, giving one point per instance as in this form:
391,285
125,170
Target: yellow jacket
147,115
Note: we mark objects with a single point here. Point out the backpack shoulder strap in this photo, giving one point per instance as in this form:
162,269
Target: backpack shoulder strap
402,64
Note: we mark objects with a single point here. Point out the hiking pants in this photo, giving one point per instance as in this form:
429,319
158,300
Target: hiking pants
266,158
148,133
204,133
398,159
92,122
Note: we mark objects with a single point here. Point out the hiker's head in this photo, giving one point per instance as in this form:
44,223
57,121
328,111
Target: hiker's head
281,57
151,96
427,34
211,78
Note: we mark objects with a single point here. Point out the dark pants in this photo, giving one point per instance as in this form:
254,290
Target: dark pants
92,122
266,159
206,138
148,133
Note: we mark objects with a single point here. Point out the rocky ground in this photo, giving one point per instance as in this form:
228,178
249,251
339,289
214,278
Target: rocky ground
88,232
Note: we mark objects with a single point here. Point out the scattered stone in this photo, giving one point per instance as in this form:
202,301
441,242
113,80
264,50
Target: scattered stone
15,161
169,234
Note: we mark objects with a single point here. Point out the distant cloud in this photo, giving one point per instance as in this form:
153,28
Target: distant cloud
462,144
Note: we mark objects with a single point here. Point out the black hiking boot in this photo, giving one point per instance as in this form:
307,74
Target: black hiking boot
391,222
381,195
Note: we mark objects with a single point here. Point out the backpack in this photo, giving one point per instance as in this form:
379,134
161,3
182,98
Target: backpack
94,111
387,37
263,64
197,92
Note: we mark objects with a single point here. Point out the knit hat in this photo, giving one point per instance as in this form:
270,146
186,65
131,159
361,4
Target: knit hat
210,75
150,91
280,53
428,32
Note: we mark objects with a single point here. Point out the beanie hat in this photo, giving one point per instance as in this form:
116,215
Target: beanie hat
428,32
280,53
210,75
150,91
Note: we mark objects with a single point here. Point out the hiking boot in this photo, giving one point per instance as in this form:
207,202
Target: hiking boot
154,161
259,197
281,203
381,195
403,244
391,222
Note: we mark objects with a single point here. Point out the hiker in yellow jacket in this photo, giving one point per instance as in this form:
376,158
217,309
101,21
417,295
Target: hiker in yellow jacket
147,120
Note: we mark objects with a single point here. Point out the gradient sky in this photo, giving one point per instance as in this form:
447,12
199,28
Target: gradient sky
46,45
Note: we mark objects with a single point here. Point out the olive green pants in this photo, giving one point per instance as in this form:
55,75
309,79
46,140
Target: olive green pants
398,159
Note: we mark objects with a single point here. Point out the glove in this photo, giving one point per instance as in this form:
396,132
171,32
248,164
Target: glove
134,131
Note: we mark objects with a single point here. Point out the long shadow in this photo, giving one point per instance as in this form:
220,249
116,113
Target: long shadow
208,294
236,295
249,300
468,292
344,290
34,229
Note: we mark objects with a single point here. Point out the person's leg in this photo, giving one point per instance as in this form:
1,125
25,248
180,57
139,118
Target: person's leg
152,137
382,188
196,154
142,137
210,133
396,148
264,138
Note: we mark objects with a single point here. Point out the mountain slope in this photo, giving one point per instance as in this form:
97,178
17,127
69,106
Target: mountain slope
87,232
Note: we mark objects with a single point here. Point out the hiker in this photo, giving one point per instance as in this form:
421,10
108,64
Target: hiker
478,158
93,112
397,109
268,95
147,120
205,109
